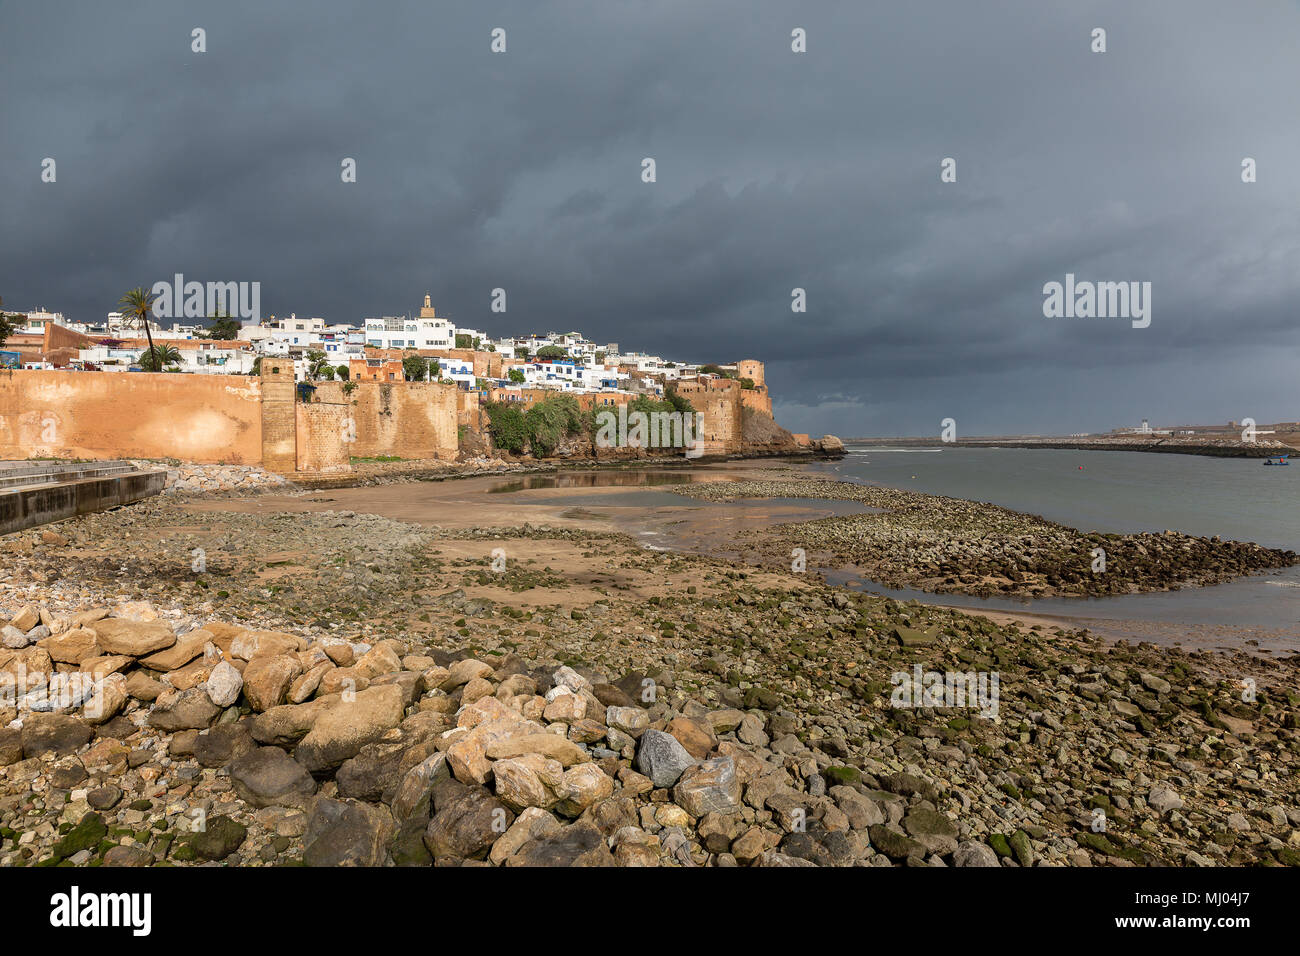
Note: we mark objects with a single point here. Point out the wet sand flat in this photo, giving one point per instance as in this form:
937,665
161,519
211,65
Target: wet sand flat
638,504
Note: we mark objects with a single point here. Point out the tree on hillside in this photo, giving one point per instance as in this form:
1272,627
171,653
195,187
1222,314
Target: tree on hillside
516,376
137,305
415,368
551,352
223,327
522,352
678,403
506,426
343,372
7,325
550,421
316,362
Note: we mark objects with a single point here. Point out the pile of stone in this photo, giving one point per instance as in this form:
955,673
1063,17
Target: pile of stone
207,479
331,751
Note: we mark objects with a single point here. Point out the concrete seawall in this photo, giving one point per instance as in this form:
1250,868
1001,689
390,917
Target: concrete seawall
53,497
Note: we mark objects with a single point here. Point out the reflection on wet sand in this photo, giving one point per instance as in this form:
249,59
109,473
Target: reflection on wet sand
603,479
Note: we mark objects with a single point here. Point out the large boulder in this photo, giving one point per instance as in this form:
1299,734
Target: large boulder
931,829
346,726
72,647
223,743
106,701
183,710
711,787
57,733
530,825
220,837
830,445
974,853
578,845
662,758
529,780
584,786
467,821
269,777
267,678
187,647
548,745
418,783
287,724
224,684
248,645
347,833
116,635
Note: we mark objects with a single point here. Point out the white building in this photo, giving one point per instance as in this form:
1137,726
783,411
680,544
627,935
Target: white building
296,331
35,321
396,332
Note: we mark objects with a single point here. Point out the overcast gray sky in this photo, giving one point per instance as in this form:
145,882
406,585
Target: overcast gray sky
775,170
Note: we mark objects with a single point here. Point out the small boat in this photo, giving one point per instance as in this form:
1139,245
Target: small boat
1280,460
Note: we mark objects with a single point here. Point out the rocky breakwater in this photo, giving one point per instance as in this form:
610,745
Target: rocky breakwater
222,742
951,545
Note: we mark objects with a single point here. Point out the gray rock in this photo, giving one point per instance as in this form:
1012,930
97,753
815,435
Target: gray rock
577,845
1162,799
224,684
60,733
467,822
221,837
931,829
662,758
862,812
186,710
1154,683
269,777
972,853
773,858
222,744
347,833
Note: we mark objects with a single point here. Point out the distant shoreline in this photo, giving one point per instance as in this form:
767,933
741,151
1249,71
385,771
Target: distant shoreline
1163,446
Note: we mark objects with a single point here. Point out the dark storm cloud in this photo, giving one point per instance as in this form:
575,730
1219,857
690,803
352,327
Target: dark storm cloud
775,170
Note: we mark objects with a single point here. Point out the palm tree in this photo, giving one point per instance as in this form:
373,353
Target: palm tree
137,305
159,356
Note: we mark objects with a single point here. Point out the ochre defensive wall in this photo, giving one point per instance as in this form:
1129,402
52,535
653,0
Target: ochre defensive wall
222,419
414,420
199,418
